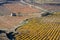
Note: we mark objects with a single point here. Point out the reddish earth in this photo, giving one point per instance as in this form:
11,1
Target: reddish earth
8,22
19,8
52,7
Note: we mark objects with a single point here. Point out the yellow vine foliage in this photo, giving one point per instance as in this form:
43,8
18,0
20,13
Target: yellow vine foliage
44,28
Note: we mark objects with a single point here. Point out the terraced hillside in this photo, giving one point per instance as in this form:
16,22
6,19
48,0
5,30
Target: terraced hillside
44,28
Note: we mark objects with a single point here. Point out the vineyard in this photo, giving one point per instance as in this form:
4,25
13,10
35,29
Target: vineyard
44,28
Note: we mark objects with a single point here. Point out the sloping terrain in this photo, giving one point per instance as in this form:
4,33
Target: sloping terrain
14,7
19,8
47,1
52,5
7,21
55,8
4,11
35,28
45,28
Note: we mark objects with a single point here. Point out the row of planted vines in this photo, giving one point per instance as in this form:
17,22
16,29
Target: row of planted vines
36,29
